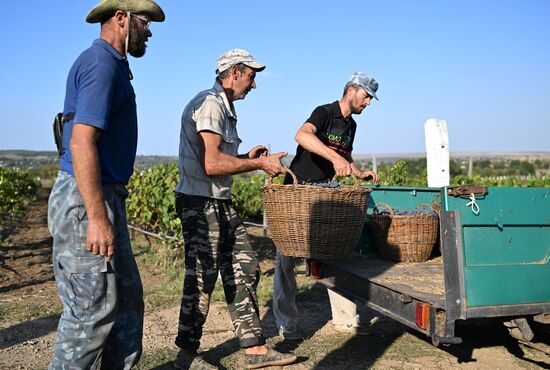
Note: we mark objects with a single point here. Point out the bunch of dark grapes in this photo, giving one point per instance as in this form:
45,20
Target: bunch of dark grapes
408,212
328,185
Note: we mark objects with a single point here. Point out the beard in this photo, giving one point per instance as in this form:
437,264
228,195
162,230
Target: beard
136,41
242,96
356,109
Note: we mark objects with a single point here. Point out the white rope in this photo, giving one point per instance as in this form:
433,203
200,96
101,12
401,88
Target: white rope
473,204
263,226
128,20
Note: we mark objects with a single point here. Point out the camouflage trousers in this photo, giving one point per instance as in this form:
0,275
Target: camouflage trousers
216,242
102,320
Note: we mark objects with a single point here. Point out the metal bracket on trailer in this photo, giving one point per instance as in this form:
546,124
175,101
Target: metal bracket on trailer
444,330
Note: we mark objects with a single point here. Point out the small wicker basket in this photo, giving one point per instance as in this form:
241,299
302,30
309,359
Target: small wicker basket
313,222
404,238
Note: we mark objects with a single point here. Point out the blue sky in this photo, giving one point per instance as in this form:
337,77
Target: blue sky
483,66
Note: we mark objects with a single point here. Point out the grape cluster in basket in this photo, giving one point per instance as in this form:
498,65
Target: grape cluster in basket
407,212
328,185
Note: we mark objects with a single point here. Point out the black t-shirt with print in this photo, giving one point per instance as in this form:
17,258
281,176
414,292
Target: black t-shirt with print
334,131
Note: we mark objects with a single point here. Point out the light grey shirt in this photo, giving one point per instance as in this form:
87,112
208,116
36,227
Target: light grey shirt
209,110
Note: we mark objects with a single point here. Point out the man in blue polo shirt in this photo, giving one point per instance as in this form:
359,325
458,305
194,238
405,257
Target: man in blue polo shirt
94,268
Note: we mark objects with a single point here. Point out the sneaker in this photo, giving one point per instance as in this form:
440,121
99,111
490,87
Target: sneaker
352,329
271,358
291,335
195,363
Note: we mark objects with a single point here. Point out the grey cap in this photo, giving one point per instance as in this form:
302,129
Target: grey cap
368,83
236,56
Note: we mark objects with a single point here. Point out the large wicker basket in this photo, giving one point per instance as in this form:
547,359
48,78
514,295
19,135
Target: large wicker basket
404,238
313,222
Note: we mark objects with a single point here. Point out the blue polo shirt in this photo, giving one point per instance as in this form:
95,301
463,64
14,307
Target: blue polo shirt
100,94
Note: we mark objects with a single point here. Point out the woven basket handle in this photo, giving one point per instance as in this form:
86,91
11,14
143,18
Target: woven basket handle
385,206
356,184
436,206
357,180
294,178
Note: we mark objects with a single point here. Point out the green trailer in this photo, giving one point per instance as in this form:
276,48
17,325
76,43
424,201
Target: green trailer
494,262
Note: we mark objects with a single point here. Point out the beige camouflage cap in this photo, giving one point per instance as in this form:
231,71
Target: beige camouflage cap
236,56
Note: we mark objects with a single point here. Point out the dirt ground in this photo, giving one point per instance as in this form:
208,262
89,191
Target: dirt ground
30,308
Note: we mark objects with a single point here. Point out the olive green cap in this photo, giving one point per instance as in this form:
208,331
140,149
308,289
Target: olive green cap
107,8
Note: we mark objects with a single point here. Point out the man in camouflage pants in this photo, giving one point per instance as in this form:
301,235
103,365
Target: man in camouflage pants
94,268
215,238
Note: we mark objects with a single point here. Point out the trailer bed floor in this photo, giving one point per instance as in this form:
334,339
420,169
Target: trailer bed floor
422,280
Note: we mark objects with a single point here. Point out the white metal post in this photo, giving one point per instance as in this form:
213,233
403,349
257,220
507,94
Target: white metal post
437,152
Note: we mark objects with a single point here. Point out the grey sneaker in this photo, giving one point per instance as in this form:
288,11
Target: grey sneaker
291,335
196,363
271,358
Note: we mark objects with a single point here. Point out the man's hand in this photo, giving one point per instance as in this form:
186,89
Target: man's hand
257,152
272,164
341,166
101,238
366,175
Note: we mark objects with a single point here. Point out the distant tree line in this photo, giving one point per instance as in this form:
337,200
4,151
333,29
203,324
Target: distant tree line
411,172
480,167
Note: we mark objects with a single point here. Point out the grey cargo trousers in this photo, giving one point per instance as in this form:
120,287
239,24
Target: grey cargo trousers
102,320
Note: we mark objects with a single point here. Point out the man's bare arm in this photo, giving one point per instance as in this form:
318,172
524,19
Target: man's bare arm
218,163
100,233
308,140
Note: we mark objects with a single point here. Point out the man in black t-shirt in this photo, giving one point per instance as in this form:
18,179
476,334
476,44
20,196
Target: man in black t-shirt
325,143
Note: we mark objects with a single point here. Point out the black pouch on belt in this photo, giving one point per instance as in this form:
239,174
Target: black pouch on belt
58,123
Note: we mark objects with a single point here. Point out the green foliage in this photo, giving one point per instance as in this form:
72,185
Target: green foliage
395,175
455,168
247,197
498,167
45,171
151,203
487,172
17,189
518,181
